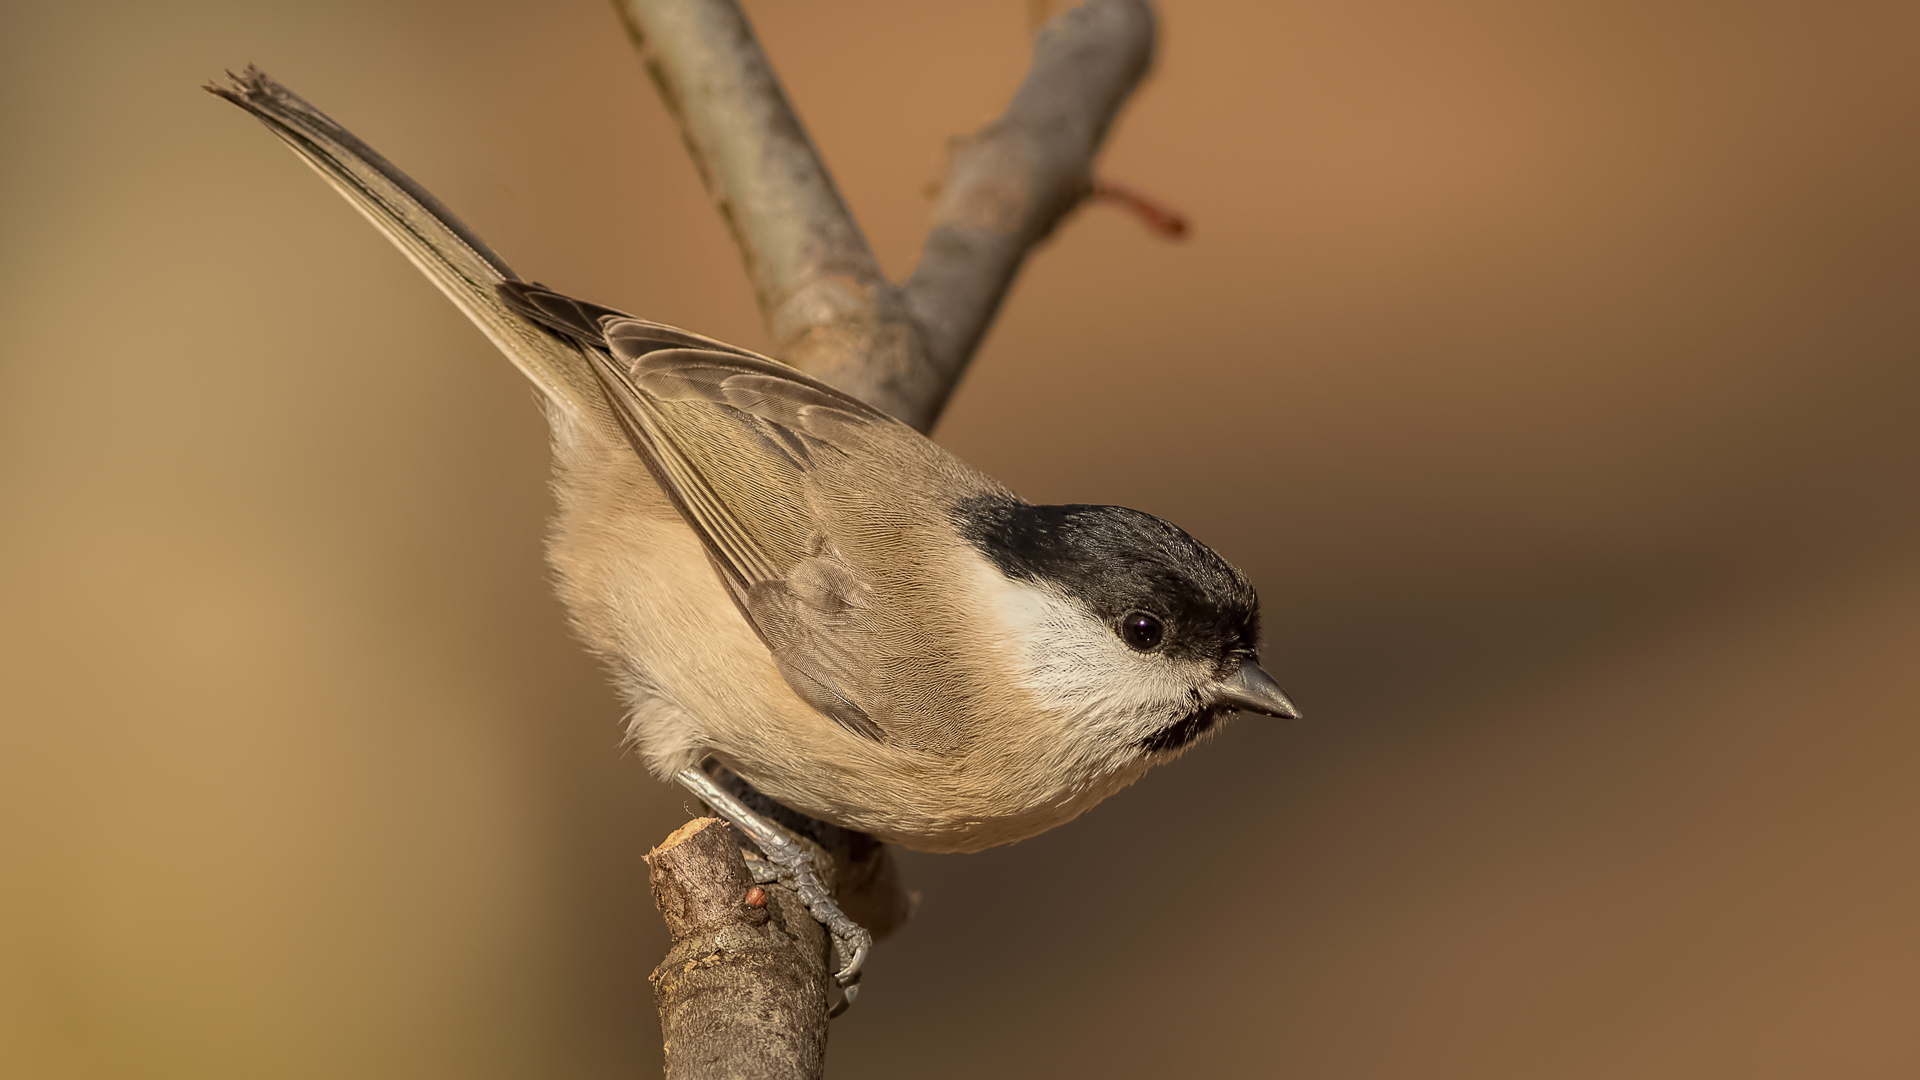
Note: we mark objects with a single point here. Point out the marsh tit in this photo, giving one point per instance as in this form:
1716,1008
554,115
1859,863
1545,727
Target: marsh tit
812,593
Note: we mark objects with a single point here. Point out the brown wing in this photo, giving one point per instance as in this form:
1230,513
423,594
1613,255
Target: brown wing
739,442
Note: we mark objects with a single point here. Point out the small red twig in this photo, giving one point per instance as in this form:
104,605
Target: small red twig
1155,215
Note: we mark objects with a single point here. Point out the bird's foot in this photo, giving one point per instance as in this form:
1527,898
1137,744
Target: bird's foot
791,865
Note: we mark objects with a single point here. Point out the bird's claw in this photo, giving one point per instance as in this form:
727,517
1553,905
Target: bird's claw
792,865
850,940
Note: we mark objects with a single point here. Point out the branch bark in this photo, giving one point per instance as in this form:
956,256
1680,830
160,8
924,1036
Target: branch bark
743,989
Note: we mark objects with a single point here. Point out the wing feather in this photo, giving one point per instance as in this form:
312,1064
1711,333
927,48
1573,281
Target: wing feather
738,441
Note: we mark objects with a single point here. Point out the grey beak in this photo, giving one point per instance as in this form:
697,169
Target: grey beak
1254,690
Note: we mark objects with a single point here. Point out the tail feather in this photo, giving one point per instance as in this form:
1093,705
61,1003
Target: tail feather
451,256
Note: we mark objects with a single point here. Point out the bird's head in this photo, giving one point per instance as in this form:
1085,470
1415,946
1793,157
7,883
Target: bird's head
1136,636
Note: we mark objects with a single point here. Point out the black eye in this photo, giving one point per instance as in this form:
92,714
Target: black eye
1141,631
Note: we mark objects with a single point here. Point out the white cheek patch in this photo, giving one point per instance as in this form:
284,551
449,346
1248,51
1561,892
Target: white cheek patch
1104,695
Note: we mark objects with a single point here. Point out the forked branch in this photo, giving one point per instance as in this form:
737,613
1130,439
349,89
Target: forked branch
831,310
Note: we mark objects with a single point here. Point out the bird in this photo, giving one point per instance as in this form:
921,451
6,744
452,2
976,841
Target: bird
790,583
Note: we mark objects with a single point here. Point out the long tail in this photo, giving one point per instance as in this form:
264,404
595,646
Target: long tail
451,256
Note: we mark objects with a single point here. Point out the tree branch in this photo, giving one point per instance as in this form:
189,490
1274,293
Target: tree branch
830,309
743,989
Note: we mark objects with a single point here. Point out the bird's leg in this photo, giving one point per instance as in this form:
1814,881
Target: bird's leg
792,865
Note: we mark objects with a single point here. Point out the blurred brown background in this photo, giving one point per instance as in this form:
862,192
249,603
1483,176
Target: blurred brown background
1554,369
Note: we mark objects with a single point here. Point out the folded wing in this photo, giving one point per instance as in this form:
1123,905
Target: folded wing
738,442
